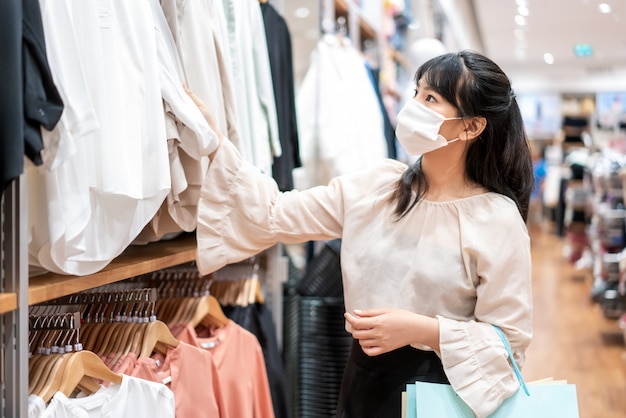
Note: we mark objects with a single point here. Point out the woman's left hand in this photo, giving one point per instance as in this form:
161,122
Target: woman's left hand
383,330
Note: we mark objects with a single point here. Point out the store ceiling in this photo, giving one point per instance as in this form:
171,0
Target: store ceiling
554,26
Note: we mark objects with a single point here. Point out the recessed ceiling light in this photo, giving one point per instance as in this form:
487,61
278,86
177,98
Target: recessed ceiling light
548,58
523,10
302,12
604,8
520,20
521,3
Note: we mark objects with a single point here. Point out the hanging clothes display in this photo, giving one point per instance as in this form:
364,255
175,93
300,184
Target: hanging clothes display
339,115
66,380
281,64
195,317
257,318
252,83
132,397
99,193
246,389
198,29
191,374
238,290
189,140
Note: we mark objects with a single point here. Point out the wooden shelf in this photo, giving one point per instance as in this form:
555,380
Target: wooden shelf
136,260
8,302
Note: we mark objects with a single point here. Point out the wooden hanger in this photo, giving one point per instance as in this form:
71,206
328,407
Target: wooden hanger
185,309
256,296
156,336
126,342
216,316
46,389
209,313
83,364
40,371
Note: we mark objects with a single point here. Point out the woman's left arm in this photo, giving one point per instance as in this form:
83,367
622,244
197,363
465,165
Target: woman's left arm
473,356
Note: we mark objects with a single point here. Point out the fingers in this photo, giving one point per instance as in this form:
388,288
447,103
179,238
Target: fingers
370,312
204,110
193,97
371,350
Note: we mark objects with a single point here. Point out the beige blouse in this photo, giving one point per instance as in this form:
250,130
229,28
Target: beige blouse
466,262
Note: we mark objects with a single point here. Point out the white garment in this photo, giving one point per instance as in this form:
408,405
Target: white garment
190,140
193,26
339,119
65,60
252,84
133,398
36,406
89,209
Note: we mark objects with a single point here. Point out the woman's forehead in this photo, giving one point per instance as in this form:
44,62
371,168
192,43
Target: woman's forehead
422,84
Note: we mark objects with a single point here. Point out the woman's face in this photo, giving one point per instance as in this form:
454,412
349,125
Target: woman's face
427,96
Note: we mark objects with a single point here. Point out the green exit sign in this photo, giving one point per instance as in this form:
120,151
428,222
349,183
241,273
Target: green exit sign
583,50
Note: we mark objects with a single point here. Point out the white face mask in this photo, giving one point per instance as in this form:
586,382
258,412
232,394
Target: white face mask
418,127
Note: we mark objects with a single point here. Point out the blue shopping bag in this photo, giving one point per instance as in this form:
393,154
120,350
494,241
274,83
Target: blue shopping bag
435,400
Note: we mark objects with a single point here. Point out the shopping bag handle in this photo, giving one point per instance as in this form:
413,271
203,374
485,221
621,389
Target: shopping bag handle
515,368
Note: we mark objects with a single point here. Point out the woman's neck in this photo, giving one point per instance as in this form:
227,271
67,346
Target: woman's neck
446,177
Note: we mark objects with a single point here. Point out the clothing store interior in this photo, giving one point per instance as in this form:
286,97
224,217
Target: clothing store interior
151,315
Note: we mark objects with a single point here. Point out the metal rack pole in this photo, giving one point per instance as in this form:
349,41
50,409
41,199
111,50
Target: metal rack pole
14,324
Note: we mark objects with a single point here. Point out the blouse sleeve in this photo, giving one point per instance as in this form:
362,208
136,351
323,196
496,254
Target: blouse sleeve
241,212
473,356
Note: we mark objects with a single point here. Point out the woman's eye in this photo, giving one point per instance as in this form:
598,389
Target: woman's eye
430,98
414,93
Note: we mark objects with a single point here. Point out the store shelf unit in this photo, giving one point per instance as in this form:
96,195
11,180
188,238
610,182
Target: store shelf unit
136,260
18,292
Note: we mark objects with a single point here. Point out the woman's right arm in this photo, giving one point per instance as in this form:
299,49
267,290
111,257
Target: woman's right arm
241,211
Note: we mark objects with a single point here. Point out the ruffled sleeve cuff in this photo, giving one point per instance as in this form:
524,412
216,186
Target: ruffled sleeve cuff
476,364
226,235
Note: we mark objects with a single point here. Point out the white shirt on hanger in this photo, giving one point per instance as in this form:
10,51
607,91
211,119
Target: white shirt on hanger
66,65
135,397
340,124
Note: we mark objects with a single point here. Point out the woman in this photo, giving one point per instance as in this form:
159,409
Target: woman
432,254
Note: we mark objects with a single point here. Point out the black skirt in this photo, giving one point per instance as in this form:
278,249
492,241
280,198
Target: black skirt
372,386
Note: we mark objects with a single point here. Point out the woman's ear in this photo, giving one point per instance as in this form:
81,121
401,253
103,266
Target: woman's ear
474,127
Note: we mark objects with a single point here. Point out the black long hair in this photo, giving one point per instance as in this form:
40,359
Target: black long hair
499,159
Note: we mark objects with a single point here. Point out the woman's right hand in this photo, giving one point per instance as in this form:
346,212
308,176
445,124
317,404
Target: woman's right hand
208,116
